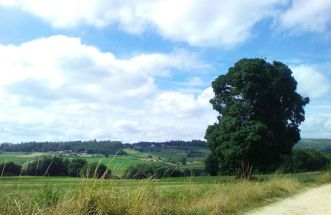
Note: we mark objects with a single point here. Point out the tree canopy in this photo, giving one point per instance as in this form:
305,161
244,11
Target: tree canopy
211,165
259,115
10,169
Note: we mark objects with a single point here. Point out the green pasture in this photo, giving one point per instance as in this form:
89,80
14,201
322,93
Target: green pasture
118,163
37,182
19,157
182,195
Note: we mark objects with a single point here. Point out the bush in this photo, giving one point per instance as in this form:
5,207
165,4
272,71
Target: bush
172,172
75,166
304,160
50,166
10,169
95,170
142,171
211,165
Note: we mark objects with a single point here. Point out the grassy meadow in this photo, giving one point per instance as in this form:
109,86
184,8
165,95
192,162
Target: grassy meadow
192,195
175,195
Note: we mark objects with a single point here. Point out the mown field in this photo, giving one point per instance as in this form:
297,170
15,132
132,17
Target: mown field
193,195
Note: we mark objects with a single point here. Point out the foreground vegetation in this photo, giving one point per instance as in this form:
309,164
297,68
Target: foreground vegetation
176,195
195,195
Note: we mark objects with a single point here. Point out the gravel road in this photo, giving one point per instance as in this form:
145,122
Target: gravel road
316,201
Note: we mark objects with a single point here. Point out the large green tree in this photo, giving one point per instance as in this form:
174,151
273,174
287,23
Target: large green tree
259,115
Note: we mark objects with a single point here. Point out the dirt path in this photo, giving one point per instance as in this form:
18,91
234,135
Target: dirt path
314,201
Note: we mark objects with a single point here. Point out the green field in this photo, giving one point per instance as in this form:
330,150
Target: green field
119,163
193,195
176,195
166,156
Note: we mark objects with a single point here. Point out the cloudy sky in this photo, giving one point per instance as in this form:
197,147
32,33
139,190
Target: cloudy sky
141,70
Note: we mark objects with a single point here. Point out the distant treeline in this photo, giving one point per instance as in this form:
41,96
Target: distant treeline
90,147
97,147
57,166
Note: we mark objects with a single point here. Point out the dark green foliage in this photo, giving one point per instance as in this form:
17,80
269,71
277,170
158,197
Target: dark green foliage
183,160
10,169
75,167
95,170
142,171
57,166
172,172
121,152
211,165
304,160
260,113
48,166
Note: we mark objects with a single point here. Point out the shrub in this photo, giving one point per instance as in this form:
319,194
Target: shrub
172,172
51,166
10,169
95,170
211,165
304,160
142,171
75,166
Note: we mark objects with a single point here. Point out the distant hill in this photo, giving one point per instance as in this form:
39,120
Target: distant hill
101,147
318,144
193,148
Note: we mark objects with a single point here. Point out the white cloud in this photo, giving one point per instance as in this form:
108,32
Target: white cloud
216,23
317,86
311,82
317,123
307,15
57,88
220,23
45,65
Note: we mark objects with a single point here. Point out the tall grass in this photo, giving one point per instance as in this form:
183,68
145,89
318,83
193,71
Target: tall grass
97,196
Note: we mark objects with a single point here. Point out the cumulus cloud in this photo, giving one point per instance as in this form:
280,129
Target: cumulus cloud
307,15
196,22
60,62
318,122
311,82
216,23
58,88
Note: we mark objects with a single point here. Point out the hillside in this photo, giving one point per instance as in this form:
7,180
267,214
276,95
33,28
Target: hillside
319,144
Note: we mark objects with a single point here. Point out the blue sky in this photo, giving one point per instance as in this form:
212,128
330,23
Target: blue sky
141,70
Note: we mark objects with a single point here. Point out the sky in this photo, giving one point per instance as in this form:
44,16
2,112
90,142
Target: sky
142,70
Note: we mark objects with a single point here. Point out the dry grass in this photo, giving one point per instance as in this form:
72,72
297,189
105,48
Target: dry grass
148,198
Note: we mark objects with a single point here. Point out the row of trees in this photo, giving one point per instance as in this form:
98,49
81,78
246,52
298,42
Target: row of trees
301,160
10,169
99,147
57,166
91,147
142,171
